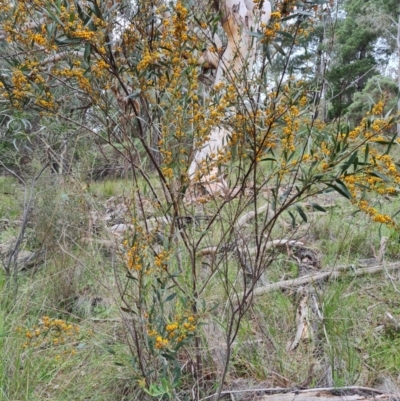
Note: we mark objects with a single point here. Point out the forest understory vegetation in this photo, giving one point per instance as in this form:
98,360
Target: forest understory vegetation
199,201
63,336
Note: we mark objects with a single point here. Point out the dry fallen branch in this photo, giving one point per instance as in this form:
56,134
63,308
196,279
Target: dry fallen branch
304,329
349,393
328,275
312,395
252,214
211,250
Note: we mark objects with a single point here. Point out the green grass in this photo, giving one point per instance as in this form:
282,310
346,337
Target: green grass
97,365
10,206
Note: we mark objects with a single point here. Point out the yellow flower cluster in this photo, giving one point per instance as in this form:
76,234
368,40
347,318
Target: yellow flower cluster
378,108
148,59
276,15
39,39
167,172
324,149
133,259
76,28
161,260
172,327
290,129
174,333
271,29
377,217
100,68
21,86
76,74
84,34
46,102
161,342
179,22
50,332
389,166
372,129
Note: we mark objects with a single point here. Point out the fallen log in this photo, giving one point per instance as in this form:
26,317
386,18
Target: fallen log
330,395
211,250
349,393
347,270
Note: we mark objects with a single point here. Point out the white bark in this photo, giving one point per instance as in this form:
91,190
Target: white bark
398,71
239,19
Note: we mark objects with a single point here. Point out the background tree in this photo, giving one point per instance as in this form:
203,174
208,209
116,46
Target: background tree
354,58
384,17
376,89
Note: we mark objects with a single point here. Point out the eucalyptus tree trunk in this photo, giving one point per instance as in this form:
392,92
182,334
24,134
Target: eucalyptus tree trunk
398,71
239,19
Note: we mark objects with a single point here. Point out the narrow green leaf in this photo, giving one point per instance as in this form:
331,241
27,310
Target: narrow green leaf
391,143
170,297
351,161
278,48
168,356
96,9
383,177
302,213
86,55
110,350
53,17
293,219
317,207
257,34
267,53
288,18
366,153
341,189
285,34
63,40
135,94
